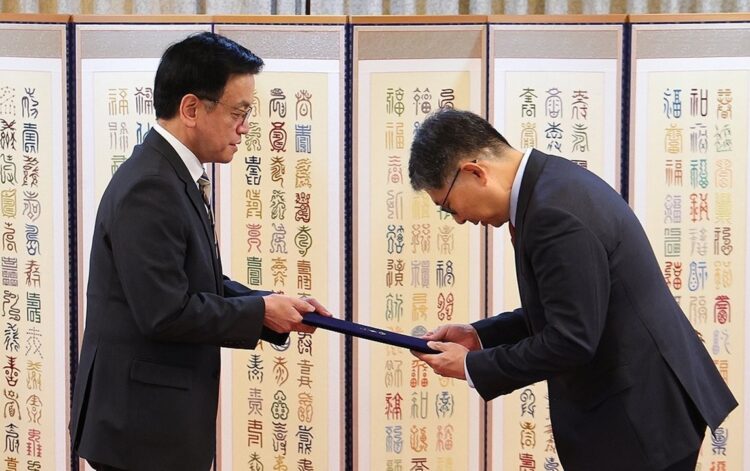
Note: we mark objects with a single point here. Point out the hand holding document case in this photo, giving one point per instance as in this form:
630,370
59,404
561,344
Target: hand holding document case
366,332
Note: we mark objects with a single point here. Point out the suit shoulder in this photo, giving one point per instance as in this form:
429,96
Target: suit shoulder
562,178
145,161
144,169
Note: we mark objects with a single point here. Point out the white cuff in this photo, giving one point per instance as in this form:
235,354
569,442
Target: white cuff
466,372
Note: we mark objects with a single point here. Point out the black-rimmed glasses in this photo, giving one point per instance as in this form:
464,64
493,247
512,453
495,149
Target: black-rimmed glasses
443,207
239,113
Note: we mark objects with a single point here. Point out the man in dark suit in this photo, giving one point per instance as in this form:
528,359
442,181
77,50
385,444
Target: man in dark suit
159,307
631,386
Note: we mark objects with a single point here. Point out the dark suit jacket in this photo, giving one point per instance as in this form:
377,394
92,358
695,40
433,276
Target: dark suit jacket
158,310
630,383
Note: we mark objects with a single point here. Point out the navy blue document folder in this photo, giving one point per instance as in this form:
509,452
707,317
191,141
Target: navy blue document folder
366,332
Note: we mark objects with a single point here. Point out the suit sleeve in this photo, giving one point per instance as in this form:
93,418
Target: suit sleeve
505,328
149,241
570,271
234,289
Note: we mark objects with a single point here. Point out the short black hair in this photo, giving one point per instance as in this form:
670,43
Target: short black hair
201,64
443,139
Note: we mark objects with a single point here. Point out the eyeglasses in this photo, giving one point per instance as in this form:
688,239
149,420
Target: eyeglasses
442,206
239,114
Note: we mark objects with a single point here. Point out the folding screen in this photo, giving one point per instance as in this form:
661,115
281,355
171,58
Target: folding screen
689,176
116,64
115,67
414,267
281,227
33,198
556,88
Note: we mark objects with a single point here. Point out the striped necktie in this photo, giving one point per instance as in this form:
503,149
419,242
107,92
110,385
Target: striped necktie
204,184
512,230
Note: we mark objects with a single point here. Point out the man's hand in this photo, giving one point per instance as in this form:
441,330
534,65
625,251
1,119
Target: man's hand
319,308
449,362
284,313
462,334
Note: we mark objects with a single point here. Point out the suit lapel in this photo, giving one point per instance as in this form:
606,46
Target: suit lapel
531,174
155,140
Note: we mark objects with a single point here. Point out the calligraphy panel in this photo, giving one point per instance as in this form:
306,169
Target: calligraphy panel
115,77
281,226
414,267
689,182
116,68
555,88
33,198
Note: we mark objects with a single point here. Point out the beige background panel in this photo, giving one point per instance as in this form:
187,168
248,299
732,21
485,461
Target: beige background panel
688,17
277,19
35,276
382,366
676,41
108,44
34,18
32,40
512,426
558,43
670,140
418,20
288,42
418,43
142,19
530,431
515,19
326,390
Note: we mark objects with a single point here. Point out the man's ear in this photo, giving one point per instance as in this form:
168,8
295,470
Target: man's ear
190,107
478,170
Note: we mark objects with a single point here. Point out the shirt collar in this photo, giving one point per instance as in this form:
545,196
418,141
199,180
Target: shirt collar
516,188
192,163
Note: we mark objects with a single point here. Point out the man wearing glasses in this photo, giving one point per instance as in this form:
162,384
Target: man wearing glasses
631,386
159,307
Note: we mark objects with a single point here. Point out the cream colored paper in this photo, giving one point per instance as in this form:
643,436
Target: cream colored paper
282,199
567,108
417,270
690,191
32,190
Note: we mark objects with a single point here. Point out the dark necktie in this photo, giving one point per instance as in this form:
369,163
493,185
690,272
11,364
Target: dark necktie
205,186
512,230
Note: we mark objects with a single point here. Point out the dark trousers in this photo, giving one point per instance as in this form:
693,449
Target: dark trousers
104,467
687,464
